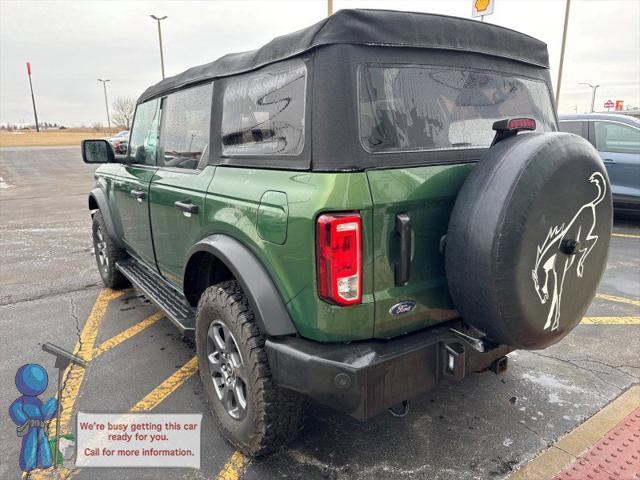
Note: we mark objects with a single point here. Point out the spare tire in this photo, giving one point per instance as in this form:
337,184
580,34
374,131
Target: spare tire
528,238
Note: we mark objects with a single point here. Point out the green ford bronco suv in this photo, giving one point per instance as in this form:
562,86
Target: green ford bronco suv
353,213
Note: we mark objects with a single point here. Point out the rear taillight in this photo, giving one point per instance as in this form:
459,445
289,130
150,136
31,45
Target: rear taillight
339,257
521,124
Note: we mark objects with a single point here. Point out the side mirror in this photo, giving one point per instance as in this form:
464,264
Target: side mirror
97,151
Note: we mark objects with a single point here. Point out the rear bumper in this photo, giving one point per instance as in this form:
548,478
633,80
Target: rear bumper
365,378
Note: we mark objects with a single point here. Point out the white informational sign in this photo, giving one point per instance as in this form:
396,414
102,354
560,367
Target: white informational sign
138,440
482,7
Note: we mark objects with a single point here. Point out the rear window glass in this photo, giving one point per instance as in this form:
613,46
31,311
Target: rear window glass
415,108
263,114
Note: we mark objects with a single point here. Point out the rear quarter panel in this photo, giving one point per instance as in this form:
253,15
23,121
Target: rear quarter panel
231,208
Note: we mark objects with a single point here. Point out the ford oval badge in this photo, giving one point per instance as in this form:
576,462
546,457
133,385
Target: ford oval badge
402,307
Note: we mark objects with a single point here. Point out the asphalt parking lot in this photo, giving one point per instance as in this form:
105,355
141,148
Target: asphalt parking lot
484,427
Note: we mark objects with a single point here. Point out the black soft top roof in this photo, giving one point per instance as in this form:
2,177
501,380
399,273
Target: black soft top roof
384,28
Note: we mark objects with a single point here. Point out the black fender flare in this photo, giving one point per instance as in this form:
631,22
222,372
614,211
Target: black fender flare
98,198
270,313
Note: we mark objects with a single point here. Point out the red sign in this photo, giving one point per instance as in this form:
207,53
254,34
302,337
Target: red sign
608,104
29,68
619,104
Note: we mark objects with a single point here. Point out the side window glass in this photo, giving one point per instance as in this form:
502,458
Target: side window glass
617,138
144,134
571,127
263,113
186,117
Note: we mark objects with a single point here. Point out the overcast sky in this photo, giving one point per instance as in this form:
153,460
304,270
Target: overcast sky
72,43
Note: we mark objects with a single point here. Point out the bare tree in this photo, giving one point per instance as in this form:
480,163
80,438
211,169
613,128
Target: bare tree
122,111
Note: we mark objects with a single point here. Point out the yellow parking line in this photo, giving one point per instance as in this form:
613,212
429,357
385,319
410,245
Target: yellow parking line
233,468
625,235
167,387
128,333
151,401
614,298
611,321
236,463
74,374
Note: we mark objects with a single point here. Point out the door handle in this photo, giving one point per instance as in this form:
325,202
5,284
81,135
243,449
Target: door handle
187,207
403,266
608,161
138,195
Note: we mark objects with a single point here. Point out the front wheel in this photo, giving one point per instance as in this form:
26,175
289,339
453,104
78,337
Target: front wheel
107,254
251,411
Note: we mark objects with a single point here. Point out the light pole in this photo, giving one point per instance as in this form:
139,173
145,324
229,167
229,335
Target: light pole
593,94
564,42
329,8
159,19
33,99
106,102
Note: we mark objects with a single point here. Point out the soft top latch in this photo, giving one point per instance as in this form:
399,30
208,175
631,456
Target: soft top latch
511,126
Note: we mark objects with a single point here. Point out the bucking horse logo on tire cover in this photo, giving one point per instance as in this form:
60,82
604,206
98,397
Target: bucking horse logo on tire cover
551,269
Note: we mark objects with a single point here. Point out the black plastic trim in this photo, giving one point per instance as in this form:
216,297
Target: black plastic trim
365,378
403,266
269,310
161,293
103,205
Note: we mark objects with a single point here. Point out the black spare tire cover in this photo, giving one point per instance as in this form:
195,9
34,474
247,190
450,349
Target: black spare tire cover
528,238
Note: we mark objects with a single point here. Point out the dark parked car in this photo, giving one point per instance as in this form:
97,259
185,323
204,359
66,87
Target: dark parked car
617,139
353,213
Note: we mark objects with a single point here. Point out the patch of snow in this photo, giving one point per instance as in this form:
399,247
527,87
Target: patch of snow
555,399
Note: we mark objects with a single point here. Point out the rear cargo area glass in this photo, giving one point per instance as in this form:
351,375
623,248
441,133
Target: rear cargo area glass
407,108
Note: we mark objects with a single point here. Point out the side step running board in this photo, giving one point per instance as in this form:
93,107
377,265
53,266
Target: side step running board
158,290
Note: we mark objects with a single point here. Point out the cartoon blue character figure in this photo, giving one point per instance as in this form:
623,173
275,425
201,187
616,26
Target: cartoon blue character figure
30,415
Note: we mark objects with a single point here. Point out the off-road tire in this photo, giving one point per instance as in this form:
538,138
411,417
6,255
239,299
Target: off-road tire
528,238
111,276
274,416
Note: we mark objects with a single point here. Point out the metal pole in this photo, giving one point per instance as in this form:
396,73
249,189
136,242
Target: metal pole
33,98
329,8
63,359
158,19
593,97
564,42
106,102
161,53
55,458
593,94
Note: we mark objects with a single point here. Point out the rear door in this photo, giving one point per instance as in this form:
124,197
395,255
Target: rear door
420,200
442,114
619,147
131,192
178,188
